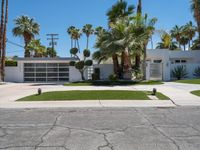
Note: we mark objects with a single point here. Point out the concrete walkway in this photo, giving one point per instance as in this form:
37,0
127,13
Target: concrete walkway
178,93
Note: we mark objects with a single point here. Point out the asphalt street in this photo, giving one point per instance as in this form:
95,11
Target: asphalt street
176,128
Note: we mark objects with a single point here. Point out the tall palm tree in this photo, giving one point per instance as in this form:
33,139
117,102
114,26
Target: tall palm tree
27,28
176,33
119,10
69,31
88,30
184,41
195,7
1,26
76,35
4,43
189,30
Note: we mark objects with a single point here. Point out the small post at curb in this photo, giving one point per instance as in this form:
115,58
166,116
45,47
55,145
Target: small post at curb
39,91
154,91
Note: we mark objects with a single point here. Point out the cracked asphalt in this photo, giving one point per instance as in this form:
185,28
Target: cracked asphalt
100,129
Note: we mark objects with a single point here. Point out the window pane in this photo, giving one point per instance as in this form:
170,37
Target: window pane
52,69
63,74
63,65
29,74
41,75
52,79
41,65
29,79
29,65
63,79
52,74
63,69
28,69
41,79
40,69
52,65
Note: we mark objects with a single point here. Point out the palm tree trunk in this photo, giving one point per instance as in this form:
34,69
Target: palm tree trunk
4,44
127,65
116,64
1,38
137,61
78,46
71,43
87,42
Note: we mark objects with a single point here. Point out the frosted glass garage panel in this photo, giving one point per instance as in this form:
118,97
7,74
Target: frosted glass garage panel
46,72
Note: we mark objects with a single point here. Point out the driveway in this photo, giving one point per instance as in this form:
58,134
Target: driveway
100,129
179,94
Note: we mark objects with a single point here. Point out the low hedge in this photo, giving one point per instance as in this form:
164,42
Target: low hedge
11,63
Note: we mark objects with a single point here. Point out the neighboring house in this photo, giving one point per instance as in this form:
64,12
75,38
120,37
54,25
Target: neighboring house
161,62
159,65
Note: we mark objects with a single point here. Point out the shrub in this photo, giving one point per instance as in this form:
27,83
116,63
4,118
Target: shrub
72,63
10,63
79,65
179,72
113,77
197,72
88,63
74,51
86,53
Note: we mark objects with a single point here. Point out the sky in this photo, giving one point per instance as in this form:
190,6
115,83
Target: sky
55,16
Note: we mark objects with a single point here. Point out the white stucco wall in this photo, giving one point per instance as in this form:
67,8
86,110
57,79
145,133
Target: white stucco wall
74,74
105,70
14,74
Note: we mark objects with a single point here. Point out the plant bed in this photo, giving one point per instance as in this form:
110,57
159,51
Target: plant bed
112,83
92,95
191,81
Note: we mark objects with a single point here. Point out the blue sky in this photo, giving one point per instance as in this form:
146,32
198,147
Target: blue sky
55,16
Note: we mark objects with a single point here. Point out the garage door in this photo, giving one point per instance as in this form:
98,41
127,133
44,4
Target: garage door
46,72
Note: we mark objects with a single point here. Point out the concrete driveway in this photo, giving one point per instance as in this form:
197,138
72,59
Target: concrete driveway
178,93
100,129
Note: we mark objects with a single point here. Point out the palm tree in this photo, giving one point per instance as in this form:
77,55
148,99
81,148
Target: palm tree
99,30
37,49
4,43
119,10
176,33
189,30
167,42
195,7
27,28
184,41
69,31
76,35
88,30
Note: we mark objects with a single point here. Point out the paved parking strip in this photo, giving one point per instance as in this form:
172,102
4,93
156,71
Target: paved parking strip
100,129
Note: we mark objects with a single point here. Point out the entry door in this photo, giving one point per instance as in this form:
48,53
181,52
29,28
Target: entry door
46,72
156,71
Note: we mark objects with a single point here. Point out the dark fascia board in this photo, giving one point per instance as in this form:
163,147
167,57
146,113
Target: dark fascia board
46,59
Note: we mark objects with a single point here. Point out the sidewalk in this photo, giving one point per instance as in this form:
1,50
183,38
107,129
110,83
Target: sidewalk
177,92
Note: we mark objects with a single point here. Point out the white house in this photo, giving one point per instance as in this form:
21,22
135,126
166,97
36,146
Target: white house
161,62
159,65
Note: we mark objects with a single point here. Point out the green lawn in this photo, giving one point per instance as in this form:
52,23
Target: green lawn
113,83
191,81
197,93
92,95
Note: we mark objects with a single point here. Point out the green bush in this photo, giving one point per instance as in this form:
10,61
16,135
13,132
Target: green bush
74,51
11,63
197,72
113,77
88,63
179,72
72,63
79,65
86,53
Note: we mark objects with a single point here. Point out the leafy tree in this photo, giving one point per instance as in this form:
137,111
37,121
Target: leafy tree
184,40
37,49
81,65
51,52
88,30
167,42
27,28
